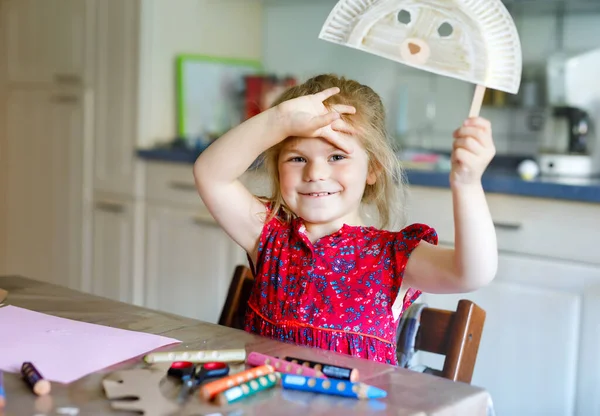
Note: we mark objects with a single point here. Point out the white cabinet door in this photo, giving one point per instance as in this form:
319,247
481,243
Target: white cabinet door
45,40
43,153
113,250
188,263
115,83
528,357
588,380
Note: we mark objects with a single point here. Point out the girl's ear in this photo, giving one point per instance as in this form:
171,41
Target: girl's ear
373,174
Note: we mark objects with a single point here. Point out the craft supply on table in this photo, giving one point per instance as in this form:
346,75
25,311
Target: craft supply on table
474,41
332,371
331,386
2,392
226,356
191,377
3,295
138,390
282,366
34,379
64,349
247,389
210,390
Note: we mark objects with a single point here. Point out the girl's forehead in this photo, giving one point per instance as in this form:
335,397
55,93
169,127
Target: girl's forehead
314,144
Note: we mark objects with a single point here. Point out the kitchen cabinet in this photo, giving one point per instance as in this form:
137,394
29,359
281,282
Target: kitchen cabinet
189,263
189,259
113,249
45,40
538,353
43,138
116,169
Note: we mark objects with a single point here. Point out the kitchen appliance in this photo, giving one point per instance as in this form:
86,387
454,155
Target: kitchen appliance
568,144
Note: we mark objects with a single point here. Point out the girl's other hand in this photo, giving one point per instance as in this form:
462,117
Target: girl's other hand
472,151
307,116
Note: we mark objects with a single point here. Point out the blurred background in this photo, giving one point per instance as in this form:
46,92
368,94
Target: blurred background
105,104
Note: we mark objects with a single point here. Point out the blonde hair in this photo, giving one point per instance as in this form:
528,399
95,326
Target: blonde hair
387,193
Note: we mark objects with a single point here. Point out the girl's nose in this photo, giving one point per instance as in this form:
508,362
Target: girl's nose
316,171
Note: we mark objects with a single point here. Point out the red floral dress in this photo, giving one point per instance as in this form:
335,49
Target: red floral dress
335,294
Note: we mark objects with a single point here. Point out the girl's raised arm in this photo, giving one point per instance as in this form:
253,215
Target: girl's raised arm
473,261
218,169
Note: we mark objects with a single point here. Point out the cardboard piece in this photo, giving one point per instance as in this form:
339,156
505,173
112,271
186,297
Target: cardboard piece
471,40
3,295
138,390
150,392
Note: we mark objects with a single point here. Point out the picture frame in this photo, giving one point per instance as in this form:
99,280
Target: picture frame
210,93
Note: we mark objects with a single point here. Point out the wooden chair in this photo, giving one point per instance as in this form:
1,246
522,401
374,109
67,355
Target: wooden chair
456,335
232,314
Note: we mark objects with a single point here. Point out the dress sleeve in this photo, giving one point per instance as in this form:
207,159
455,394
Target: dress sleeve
404,243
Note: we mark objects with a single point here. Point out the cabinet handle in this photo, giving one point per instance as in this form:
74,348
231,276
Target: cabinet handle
65,99
204,219
70,79
182,186
110,207
512,226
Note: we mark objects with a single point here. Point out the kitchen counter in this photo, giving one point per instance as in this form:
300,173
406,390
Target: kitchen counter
495,180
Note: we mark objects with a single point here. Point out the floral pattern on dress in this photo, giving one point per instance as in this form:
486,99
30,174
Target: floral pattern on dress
336,294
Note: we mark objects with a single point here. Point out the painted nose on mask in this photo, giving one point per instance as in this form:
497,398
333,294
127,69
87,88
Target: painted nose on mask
415,51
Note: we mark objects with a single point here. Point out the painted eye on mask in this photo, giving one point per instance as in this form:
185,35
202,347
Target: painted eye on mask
445,30
404,17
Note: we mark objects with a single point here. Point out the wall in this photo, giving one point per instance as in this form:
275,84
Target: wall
436,105
231,28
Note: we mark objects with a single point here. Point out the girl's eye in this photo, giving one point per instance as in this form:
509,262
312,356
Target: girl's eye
297,159
336,158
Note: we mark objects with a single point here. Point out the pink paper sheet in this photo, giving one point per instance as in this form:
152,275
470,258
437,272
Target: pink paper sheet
64,350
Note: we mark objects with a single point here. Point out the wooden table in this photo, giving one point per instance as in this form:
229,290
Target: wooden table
409,393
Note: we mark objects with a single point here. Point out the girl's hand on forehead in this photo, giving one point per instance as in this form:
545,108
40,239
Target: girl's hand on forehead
472,151
307,116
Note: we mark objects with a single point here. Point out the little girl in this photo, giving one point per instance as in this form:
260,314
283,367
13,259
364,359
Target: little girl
323,278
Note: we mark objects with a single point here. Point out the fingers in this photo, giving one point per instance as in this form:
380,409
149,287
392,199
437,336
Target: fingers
338,140
481,125
323,120
325,94
343,127
469,144
463,159
343,109
483,137
478,122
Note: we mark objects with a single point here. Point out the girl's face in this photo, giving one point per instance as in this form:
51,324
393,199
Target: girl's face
322,184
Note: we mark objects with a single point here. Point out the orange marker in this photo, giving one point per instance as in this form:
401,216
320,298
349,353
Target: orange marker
210,390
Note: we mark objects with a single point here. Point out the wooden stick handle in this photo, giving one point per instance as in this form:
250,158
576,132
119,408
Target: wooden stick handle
477,101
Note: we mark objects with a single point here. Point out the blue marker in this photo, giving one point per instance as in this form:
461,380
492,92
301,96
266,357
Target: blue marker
331,386
2,394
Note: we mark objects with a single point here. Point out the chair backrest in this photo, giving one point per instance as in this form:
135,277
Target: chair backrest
456,335
234,309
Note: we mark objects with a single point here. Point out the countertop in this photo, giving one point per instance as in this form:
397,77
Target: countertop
410,393
498,179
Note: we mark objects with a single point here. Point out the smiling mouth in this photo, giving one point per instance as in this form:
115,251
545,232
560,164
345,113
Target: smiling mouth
318,194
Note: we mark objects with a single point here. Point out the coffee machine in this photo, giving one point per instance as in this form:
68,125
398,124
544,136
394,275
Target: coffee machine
569,144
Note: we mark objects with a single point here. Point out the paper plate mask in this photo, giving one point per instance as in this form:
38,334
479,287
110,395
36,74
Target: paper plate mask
472,40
